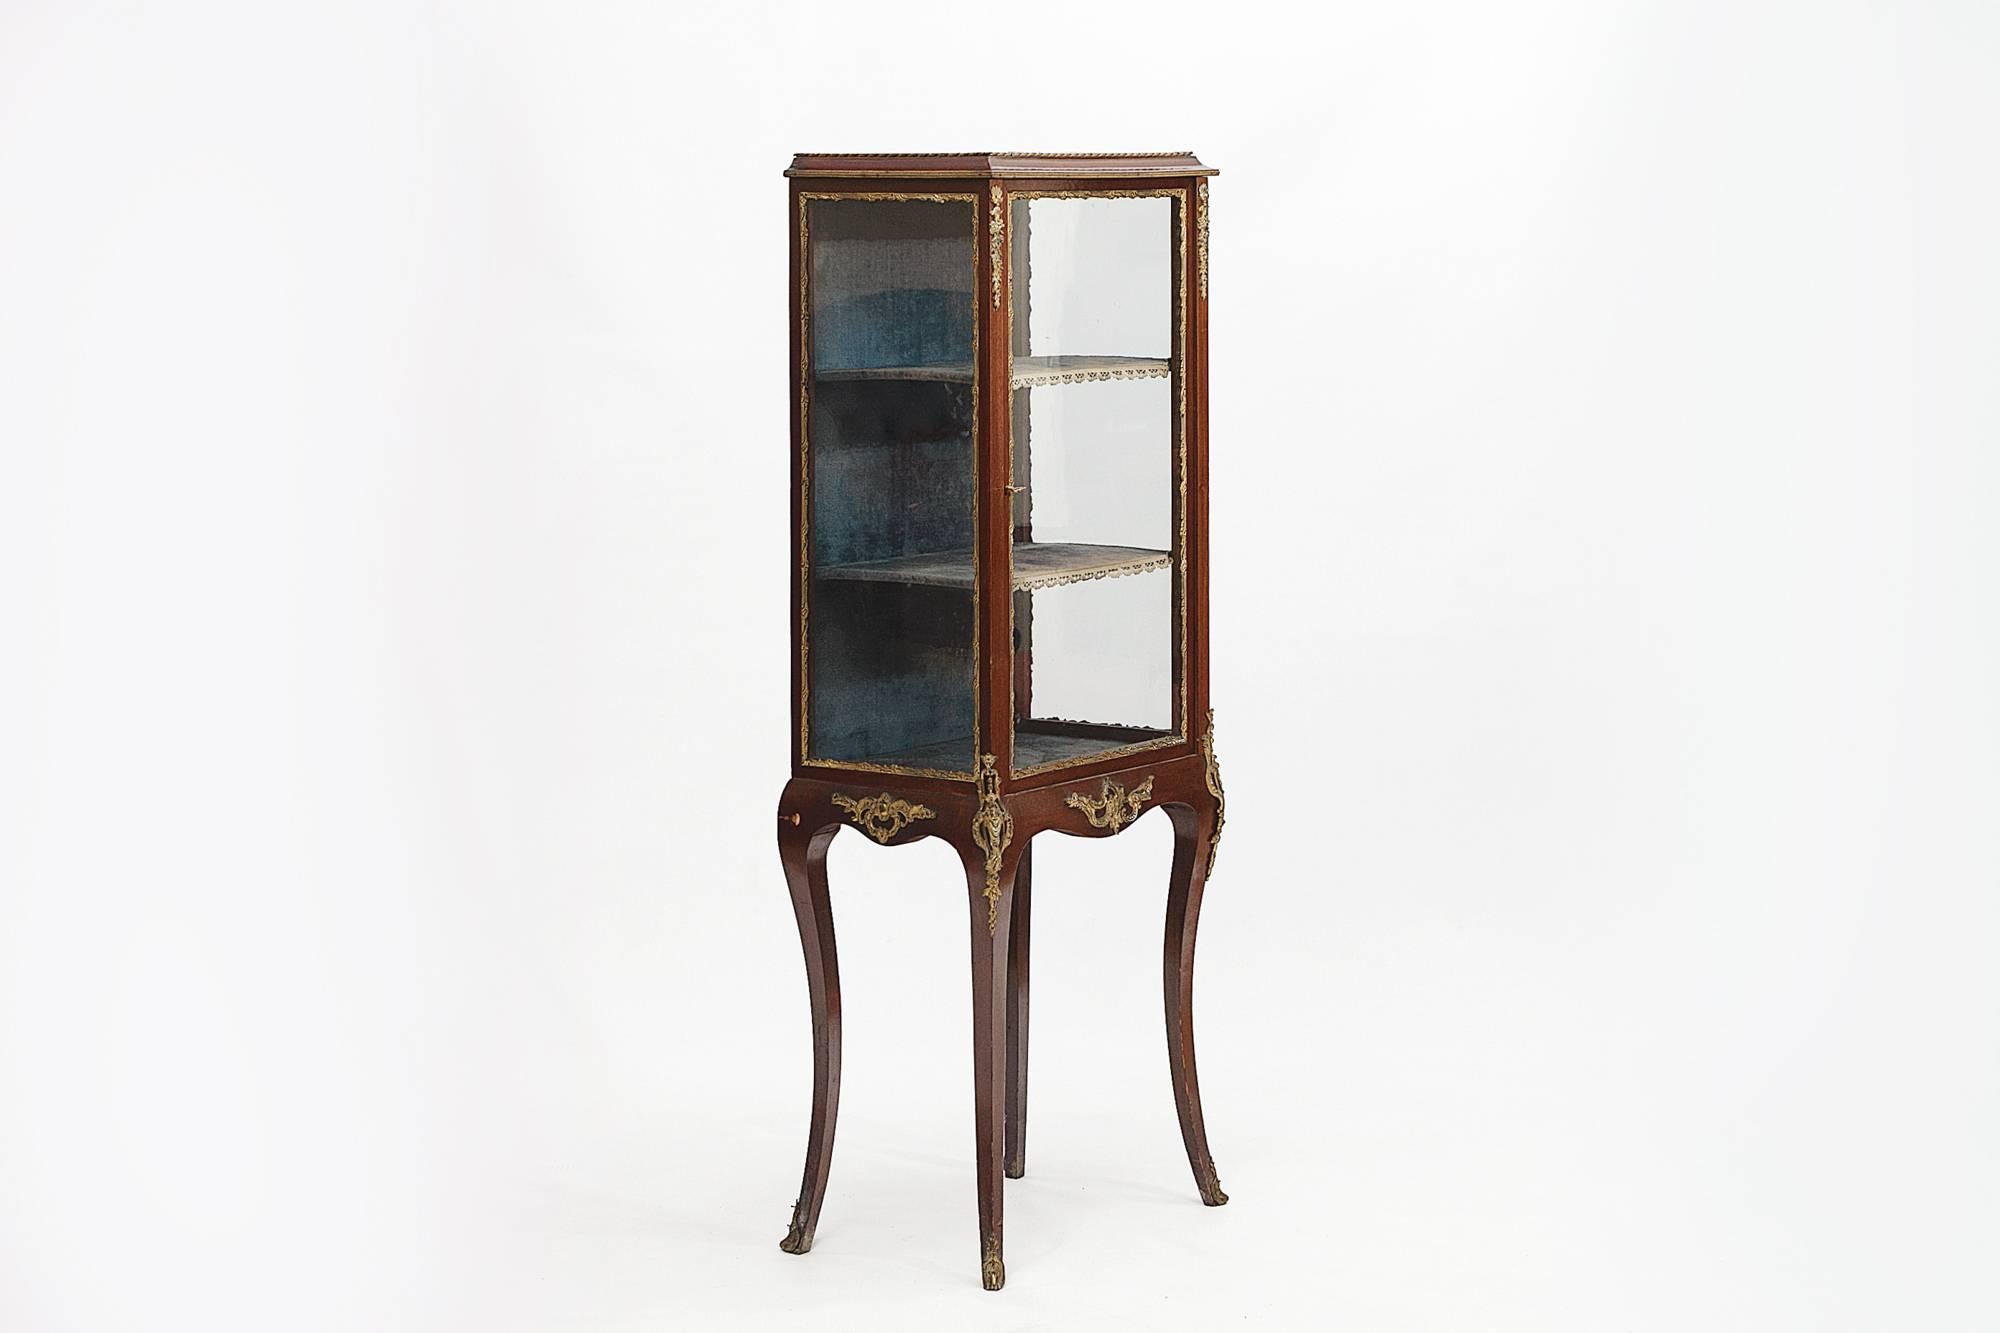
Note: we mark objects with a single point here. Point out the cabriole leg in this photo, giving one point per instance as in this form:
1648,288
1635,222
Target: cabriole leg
992,905
802,848
1194,831
1017,1021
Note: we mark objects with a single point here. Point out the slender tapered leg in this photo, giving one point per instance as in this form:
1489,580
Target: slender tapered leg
1017,1022
803,850
992,920
1194,830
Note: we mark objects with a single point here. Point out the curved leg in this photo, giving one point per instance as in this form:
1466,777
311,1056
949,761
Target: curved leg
803,850
1017,1022
992,920
1194,832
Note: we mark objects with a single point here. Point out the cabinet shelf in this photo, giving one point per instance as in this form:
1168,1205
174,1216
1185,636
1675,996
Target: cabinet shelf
1036,565
960,373
1030,372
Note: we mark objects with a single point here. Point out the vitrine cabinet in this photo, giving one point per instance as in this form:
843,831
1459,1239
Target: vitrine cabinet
999,598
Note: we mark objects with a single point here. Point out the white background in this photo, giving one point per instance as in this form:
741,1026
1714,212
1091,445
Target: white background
392,701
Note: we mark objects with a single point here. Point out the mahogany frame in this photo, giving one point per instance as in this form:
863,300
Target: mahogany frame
991,816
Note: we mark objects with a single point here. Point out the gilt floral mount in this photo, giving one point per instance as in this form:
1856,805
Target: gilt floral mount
882,817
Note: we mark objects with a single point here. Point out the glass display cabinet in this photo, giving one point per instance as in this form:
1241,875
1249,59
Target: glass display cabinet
999,602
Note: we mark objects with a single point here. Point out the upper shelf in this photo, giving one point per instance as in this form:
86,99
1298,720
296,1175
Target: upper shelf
1033,371
1036,565
1029,372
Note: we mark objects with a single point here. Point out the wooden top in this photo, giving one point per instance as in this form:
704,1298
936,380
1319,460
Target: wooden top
1068,166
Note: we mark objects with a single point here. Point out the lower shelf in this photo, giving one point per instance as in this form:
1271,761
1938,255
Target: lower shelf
1025,372
1036,565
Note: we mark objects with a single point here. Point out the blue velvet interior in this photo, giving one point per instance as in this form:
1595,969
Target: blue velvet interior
900,326
892,470
892,670
891,664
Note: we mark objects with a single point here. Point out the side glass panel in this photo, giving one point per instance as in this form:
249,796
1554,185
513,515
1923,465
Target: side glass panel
889,615
1097,343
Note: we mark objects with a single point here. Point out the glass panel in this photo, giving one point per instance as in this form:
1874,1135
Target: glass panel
889,611
1096,344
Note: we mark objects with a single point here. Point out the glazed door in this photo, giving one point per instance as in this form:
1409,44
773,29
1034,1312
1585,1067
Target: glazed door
1098,339
889,389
